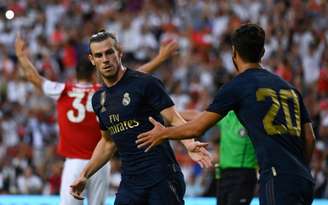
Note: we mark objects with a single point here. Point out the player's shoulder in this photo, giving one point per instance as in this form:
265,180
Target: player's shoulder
101,89
98,98
143,78
132,73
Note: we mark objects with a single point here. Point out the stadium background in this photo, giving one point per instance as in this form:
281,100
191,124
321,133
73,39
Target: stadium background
57,32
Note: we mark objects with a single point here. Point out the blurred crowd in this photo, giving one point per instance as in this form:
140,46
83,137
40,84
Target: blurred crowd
57,32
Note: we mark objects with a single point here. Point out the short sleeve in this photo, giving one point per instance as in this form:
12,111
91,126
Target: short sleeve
226,99
52,89
97,106
156,95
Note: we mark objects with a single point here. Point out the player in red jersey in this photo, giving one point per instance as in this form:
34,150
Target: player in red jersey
78,127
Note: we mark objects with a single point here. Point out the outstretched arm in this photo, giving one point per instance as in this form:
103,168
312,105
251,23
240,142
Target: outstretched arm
196,149
189,115
30,71
103,152
192,129
165,52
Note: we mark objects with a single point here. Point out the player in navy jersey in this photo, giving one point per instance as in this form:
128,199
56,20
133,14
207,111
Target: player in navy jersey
123,105
274,115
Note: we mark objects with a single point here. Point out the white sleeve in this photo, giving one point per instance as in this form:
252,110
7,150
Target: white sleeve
52,89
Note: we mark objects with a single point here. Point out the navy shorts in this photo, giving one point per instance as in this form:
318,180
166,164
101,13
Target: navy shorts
169,191
286,190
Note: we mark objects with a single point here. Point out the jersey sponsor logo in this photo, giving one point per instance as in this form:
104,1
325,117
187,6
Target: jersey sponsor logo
118,126
126,99
123,126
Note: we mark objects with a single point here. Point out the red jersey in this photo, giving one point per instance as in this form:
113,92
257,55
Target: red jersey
78,127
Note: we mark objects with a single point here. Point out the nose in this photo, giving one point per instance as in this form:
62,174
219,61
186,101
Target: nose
105,58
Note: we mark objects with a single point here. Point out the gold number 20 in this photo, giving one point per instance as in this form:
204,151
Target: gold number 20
281,127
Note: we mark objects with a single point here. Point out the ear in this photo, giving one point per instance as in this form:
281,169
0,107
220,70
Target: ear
91,59
262,53
234,52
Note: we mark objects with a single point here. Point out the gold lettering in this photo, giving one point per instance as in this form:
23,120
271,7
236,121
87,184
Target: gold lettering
120,127
114,118
123,126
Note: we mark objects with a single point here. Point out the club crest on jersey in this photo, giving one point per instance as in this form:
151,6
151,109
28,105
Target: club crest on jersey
126,99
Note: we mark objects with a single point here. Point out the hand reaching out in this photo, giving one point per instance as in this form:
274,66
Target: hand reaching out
153,137
197,152
77,188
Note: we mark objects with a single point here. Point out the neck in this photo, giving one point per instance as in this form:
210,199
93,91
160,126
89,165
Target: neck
112,81
245,66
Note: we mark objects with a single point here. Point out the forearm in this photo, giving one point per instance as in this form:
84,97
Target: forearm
30,71
189,115
193,129
178,120
103,152
184,132
152,65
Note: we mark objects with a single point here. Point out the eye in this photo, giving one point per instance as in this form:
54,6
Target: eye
109,51
98,55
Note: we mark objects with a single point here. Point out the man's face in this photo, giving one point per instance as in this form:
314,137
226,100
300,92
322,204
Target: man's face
106,58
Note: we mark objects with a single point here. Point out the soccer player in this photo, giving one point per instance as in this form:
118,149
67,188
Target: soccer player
274,115
123,105
236,172
78,128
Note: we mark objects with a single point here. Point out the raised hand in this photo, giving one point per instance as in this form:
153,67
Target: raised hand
20,46
168,49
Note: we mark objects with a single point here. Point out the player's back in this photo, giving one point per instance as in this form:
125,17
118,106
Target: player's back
273,113
78,126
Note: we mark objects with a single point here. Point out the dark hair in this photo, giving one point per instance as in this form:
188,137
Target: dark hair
84,69
101,36
248,41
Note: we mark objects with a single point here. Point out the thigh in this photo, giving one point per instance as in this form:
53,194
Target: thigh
237,187
221,192
241,195
97,186
72,169
168,192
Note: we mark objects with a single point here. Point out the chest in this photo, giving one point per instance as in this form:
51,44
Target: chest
120,105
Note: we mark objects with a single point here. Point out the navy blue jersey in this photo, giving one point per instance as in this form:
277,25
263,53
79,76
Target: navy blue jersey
123,110
273,113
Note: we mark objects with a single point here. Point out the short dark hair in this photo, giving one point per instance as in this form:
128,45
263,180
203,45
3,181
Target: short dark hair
84,69
101,36
248,41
